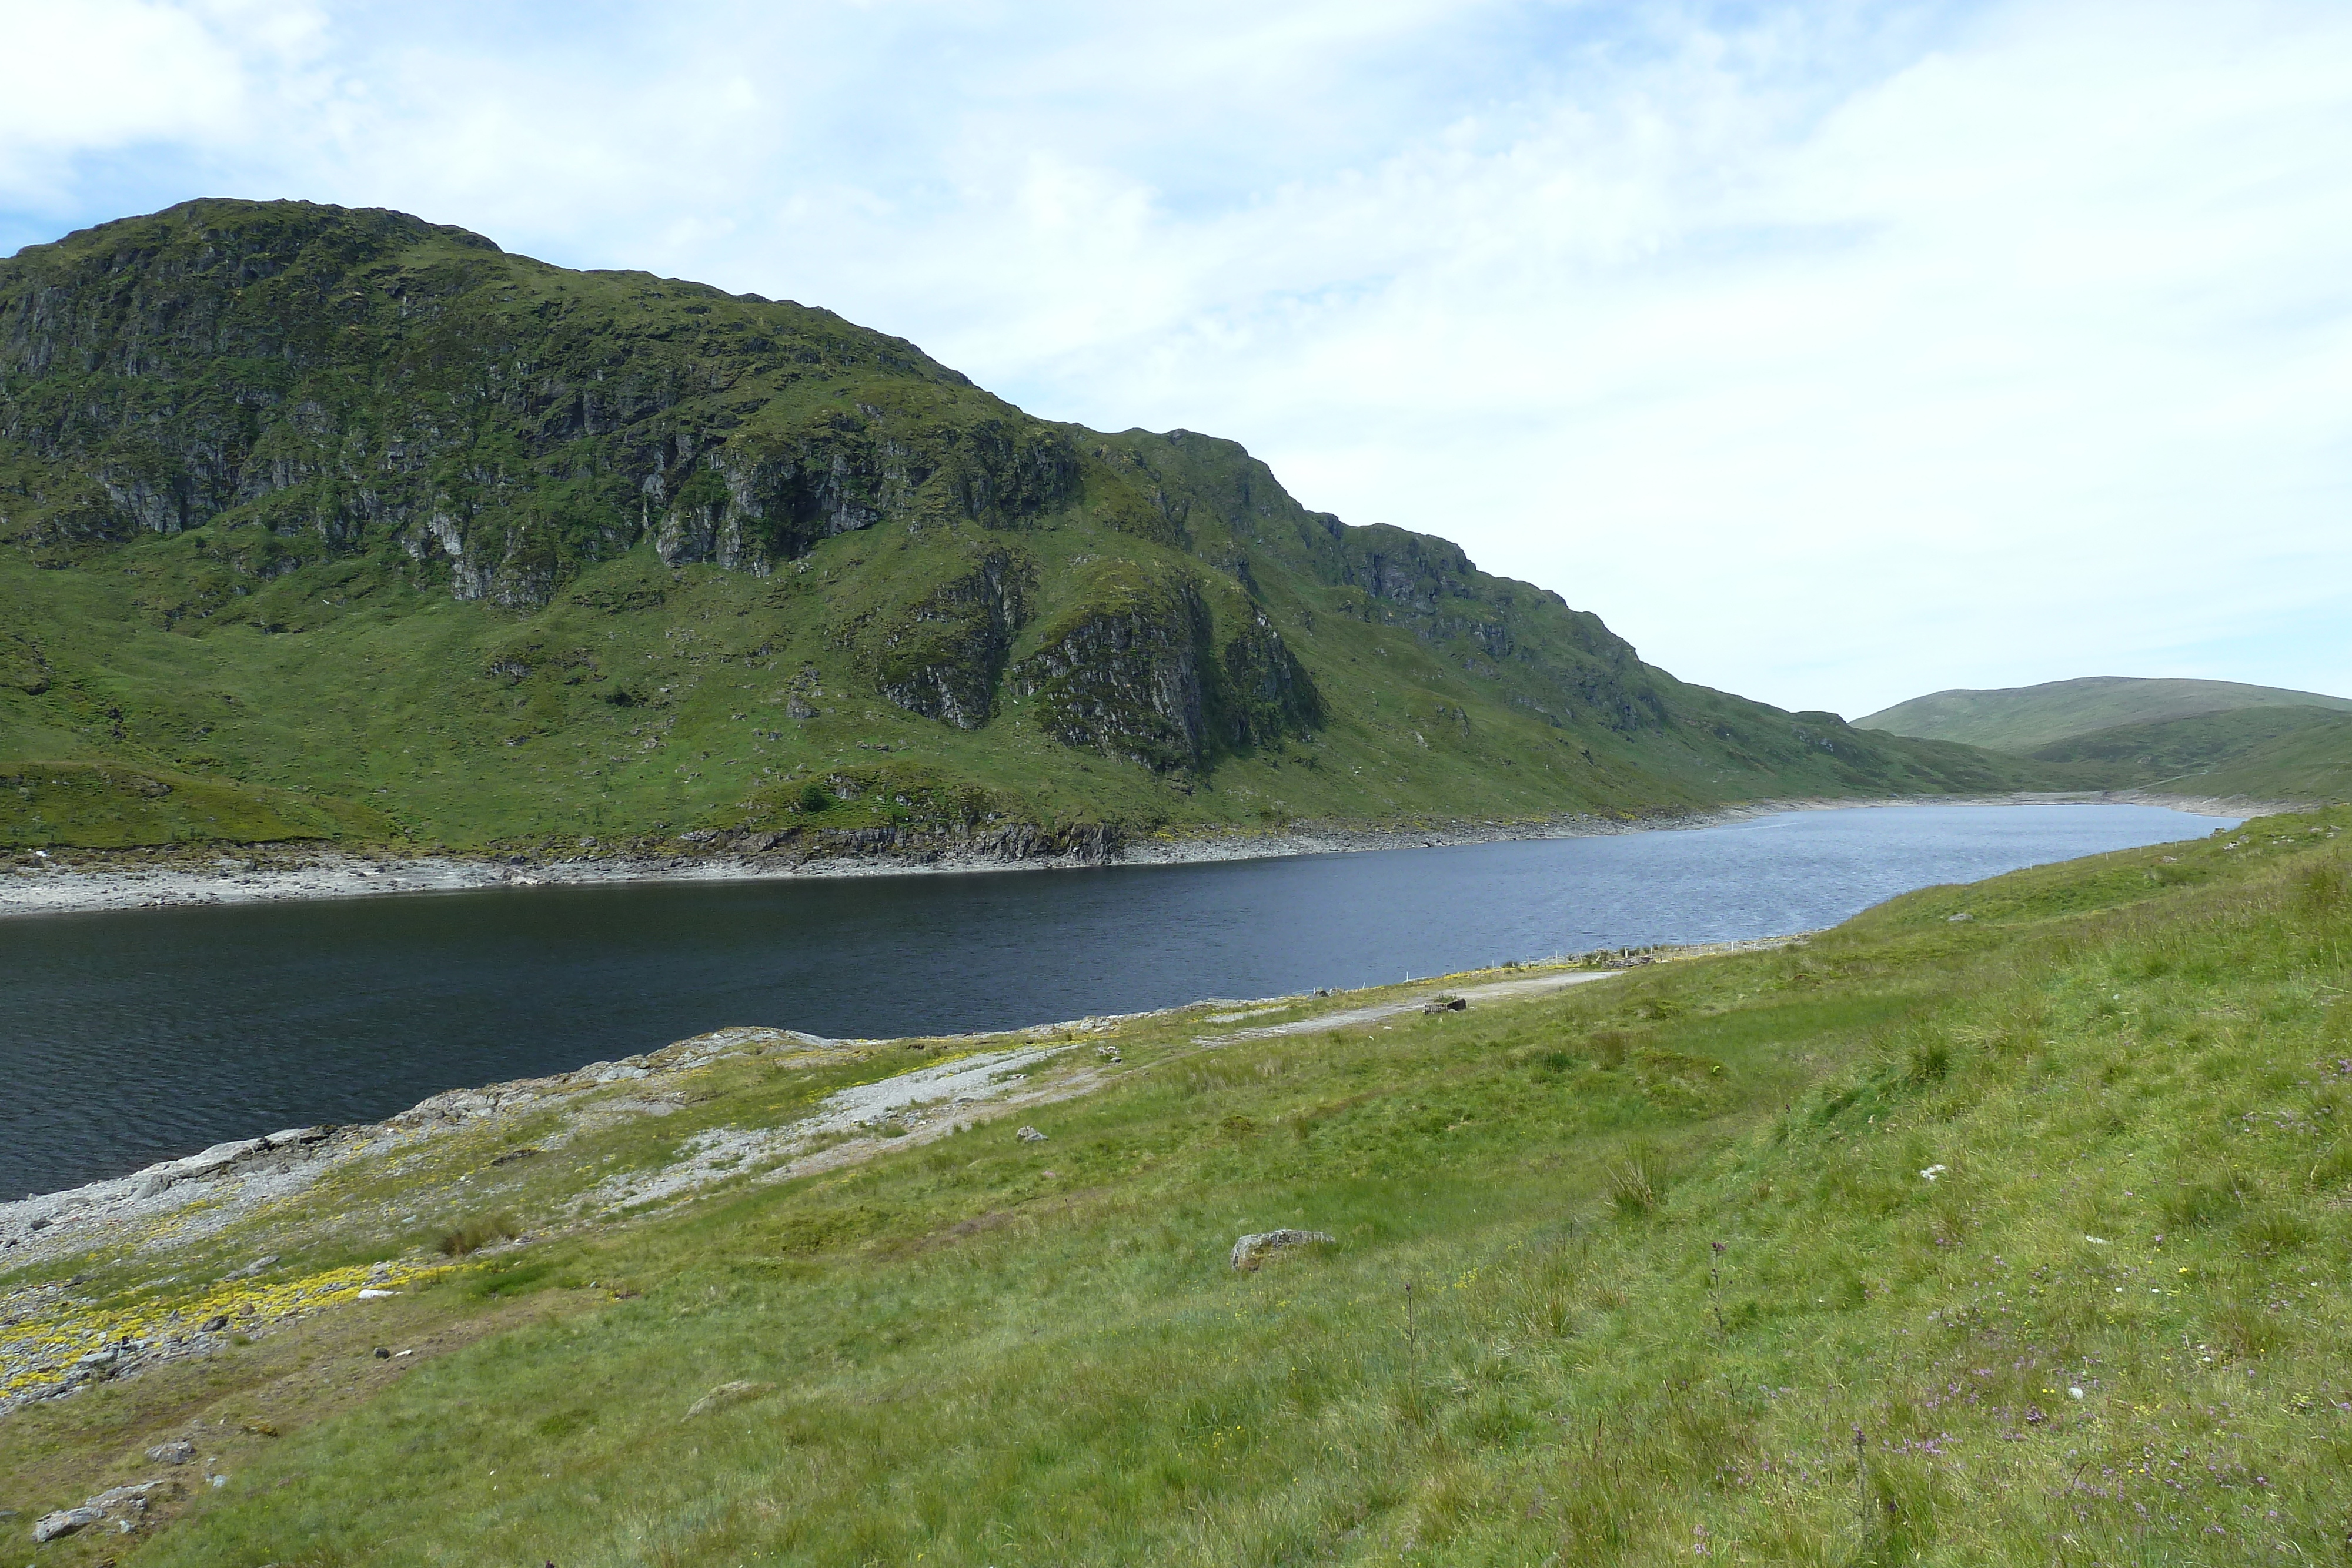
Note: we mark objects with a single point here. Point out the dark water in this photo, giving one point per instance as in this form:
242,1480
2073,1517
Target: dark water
139,1035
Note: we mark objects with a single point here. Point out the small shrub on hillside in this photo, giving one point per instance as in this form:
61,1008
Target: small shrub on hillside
477,1234
2325,890
1927,1062
1637,1183
815,798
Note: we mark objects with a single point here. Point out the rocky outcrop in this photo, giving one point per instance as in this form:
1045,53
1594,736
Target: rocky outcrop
286,1148
759,500
364,381
1266,693
64,1523
1406,569
1249,1251
942,655
1140,673
1122,675
1014,844
126,1506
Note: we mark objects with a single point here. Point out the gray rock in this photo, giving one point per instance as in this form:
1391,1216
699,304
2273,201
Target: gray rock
1030,1135
178,1451
1447,1005
126,1504
1251,1251
64,1523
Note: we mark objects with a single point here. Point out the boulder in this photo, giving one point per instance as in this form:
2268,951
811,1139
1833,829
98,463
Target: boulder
64,1523
130,1502
1030,1135
1251,1251
1447,1005
178,1451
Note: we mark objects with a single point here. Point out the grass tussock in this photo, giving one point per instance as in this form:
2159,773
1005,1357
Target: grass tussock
474,1235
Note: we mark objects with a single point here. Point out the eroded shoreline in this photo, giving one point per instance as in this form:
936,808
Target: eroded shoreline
71,882
438,1149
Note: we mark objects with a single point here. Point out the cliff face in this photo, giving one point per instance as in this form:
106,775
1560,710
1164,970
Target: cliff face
347,380
505,504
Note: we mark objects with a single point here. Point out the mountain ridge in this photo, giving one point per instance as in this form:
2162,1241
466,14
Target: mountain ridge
345,509
2026,719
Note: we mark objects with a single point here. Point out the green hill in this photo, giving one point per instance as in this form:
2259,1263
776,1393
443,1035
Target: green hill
362,516
2271,753
2004,1224
2026,719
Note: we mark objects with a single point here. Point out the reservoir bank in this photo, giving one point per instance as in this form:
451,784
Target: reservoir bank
132,1036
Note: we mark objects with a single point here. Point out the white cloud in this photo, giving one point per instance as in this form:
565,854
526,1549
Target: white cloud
1830,354
112,72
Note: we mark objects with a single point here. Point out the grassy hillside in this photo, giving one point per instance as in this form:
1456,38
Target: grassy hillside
2027,719
2273,753
343,508
2004,1224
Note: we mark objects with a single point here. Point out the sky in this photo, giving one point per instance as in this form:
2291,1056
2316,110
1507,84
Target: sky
1832,353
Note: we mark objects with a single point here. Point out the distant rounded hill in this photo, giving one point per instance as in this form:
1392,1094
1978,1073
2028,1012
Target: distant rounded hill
2026,719
2203,738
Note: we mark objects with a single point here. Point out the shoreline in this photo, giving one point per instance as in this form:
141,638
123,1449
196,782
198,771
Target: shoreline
230,1179
195,1206
121,880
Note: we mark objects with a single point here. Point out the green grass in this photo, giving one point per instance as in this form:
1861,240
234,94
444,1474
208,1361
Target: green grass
1677,1280
102,805
2275,753
2029,718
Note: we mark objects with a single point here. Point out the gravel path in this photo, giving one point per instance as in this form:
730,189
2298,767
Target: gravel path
1494,991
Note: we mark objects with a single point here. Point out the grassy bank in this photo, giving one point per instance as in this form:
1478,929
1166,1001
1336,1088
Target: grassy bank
2005,1223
